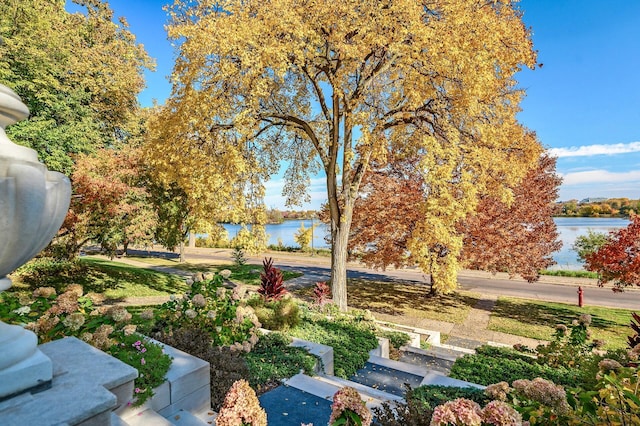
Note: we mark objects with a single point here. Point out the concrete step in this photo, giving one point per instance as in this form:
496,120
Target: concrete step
442,351
326,386
431,362
464,342
435,378
185,418
146,418
387,379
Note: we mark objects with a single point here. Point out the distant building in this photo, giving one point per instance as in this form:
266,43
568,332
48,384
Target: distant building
593,200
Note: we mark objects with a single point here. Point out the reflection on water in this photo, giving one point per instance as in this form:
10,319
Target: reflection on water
569,229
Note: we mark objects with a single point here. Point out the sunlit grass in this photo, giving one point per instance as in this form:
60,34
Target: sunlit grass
410,300
538,319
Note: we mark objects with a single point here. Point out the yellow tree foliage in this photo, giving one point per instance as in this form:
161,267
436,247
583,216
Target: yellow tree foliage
342,83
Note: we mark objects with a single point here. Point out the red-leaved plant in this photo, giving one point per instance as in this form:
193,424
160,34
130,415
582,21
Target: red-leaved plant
321,293
271,282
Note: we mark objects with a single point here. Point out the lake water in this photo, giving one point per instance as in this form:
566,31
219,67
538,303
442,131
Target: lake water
569,229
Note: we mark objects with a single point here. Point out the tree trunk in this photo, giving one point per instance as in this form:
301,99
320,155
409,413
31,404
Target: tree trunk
340,240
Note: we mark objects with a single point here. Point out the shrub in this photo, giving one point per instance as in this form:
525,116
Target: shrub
397,339
276,315
402,414
614,400
213,310
50,272
226,366
321,293
241,407
272,359
492,365
429,397
238,256
271,282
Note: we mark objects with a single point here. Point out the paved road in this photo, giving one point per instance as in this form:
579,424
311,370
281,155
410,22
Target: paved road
552,289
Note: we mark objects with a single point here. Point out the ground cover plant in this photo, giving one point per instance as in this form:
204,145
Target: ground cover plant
114,280
537,319
272,359
491,365
350,334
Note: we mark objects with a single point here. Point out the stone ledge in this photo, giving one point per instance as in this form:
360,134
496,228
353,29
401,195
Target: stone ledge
324,352
80,389
434,378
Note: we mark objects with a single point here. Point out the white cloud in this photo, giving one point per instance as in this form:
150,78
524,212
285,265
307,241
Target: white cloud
599,177
317,191
590,150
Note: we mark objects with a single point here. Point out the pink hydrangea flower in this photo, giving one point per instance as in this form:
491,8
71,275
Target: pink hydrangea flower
457,412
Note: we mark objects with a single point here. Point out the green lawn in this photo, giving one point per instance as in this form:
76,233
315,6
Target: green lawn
115,280
538,319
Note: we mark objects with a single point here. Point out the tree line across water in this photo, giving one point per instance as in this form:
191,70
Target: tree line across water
610,207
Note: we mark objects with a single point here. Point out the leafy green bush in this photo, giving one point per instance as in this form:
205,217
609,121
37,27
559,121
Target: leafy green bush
50,272
493,365
276,315
215,311
429,397
401,414
397,339
614,400
272,359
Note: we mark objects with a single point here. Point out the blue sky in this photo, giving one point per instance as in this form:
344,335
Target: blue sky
584,102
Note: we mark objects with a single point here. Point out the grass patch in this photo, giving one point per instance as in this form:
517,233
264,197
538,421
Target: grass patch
573,274
113,279
538,319
406,299
156,261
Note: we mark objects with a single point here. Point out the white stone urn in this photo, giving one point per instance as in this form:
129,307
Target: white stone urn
33,204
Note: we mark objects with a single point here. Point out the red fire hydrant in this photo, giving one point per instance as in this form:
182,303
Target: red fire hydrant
580,293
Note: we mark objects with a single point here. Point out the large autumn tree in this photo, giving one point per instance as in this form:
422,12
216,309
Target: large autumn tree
111,203
342,83
518,237
79,74
618,260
